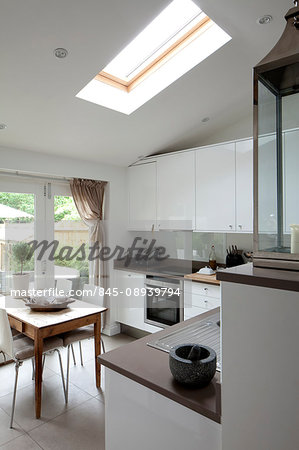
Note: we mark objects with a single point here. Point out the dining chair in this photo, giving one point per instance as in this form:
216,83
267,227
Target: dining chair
91,294
62,284
22,348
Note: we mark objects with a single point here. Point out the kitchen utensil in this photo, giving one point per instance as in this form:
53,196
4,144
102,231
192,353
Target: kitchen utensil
206,271
49,304
234,257
197,372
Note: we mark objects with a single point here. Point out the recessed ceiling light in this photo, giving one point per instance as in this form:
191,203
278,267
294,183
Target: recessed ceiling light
3,126
264,20
205,119
60,53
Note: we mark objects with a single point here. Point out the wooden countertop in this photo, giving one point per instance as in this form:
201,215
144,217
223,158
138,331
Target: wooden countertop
256,276
210,279
149,367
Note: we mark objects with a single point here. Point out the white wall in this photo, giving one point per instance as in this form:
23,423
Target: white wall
243,128
27,161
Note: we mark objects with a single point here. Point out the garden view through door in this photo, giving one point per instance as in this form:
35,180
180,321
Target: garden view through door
71,233
40,211
18,226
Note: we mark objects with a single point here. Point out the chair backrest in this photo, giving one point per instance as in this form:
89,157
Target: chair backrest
91,294
63,285
6,340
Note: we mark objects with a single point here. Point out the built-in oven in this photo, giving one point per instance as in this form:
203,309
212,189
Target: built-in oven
164,301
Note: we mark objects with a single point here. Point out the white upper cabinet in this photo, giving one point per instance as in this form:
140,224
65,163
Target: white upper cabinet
244,186
291,187
142,197
176,192
215,188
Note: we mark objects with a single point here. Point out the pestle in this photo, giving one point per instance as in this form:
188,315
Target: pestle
194,354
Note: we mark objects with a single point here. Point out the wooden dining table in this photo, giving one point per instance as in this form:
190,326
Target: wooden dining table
41,325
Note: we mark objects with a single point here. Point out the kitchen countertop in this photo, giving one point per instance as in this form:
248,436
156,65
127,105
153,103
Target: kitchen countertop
181,269
256,276
149,367
169,268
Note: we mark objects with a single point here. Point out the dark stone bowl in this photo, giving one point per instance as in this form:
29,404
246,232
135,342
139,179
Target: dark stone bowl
197,373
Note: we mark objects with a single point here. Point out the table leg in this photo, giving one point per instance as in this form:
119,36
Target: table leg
97,348
38,353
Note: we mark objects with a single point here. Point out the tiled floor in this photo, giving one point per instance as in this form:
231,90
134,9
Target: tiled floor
79,425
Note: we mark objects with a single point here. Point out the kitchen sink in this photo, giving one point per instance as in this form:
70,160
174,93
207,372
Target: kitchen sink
205,331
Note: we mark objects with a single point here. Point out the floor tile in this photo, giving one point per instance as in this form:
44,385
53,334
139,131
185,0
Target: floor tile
80,428
7,373
21,443
79,425
6,433
84,378
53,402
112,342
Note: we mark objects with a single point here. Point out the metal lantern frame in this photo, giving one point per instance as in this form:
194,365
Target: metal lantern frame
279,73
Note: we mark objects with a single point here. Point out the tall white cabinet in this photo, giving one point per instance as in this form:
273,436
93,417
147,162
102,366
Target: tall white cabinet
176,191
215,188
142,197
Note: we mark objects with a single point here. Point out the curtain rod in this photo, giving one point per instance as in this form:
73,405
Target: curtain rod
29,175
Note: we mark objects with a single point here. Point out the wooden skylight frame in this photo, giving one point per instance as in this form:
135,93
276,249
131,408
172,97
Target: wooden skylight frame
176,47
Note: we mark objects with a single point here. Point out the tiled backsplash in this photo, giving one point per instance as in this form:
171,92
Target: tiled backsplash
197,246
202,243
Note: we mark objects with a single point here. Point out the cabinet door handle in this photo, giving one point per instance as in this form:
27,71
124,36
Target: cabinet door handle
240,226
230,226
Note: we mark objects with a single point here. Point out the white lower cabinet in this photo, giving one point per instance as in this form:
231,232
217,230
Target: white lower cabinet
200,298
138,418
130,302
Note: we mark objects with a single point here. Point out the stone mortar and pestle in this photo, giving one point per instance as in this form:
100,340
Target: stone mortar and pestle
193,365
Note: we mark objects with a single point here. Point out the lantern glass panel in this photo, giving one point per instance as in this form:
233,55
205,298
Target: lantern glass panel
278,166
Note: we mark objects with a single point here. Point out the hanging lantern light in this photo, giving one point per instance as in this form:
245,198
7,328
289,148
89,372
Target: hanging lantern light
276,152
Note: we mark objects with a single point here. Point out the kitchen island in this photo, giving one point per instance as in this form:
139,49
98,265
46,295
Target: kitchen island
149,408
260,395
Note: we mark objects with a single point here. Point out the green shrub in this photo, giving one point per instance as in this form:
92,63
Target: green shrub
21,254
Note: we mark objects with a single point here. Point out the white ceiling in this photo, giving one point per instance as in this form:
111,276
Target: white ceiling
37,91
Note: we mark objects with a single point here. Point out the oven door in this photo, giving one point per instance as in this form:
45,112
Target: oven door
163,302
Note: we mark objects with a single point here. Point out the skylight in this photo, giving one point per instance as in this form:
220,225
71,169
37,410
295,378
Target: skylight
178,39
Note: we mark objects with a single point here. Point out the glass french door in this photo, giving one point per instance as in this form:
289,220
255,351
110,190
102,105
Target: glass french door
72,236
22,218
41,211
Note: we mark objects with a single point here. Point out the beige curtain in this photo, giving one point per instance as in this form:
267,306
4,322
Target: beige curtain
89,198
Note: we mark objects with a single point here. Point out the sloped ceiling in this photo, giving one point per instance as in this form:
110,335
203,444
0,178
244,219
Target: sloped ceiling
37,91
